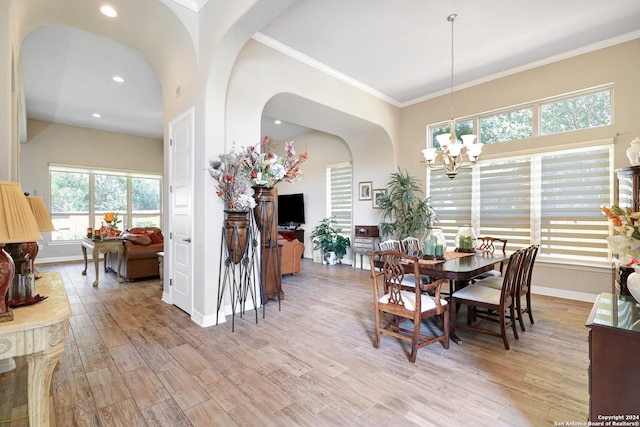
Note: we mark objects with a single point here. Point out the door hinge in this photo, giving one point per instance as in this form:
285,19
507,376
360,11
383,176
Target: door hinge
170,235
171,189
170,142
170,282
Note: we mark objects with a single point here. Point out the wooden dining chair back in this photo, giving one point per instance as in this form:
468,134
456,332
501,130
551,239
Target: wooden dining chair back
524,285
498,304
411,246
492,244
394,304
391,245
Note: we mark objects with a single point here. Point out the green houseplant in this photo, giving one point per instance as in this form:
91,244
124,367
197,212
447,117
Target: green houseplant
327,237
405,211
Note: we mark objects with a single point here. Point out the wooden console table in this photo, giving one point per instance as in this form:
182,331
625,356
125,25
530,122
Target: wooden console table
39,332
102,246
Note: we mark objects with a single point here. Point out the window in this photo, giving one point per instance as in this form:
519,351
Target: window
586,109
339,195
552,199
507,126
580,112
81,197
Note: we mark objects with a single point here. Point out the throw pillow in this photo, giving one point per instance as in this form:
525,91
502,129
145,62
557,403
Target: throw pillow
155,238
139,239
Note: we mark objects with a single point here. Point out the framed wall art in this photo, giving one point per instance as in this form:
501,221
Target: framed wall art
377,194
364,190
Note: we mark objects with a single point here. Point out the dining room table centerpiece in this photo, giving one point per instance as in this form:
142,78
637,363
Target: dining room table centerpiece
625,242
231,173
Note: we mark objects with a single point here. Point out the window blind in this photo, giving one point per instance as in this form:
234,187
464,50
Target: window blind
339,194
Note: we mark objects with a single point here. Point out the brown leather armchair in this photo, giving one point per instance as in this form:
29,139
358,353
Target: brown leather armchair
292,250
140,259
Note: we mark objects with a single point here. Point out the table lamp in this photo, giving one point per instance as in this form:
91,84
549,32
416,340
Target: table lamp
44,224
17,224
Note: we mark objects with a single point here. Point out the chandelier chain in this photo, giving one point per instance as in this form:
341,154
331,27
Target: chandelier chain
451,18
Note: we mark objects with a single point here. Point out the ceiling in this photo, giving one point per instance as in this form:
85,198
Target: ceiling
399,51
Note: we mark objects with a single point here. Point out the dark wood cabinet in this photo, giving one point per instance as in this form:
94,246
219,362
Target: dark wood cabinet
627,191
627,194
614,346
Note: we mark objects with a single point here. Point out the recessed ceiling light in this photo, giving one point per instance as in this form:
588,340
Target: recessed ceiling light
117,79
96,115
278,122
108,11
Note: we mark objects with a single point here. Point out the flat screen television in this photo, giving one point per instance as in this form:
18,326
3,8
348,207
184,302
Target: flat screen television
291,210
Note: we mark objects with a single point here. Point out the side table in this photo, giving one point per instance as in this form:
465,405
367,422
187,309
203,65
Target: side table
39,332
102,246
361,245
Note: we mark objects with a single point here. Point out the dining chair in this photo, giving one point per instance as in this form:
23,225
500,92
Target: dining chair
391,245
523,286
392,298
411,246
496,302
491,244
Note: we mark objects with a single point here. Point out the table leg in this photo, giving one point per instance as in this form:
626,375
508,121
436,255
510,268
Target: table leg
96,264
40,371
84,253
452,323
120,251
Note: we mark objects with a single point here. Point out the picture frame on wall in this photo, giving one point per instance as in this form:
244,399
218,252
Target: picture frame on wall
377,194
364,190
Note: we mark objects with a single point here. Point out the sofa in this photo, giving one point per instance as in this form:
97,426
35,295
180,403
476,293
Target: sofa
292,251
140,259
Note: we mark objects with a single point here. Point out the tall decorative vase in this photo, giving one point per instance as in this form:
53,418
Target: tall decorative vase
266,213
236,229
266,217
633,282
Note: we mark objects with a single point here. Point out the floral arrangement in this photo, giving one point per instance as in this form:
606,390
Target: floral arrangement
111,218
625,240
234,184
268,169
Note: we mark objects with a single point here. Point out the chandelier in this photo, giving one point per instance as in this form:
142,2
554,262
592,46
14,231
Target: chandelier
453,154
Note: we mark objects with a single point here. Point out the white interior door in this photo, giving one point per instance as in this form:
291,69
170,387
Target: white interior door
181,215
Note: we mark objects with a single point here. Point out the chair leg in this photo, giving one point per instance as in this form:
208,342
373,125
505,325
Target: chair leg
376,339
503,329
512,310
415,340
529,306
520,313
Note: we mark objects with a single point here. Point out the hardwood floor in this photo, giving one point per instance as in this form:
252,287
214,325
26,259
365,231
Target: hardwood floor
132,360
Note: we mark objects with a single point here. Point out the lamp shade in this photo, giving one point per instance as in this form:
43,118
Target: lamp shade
17,222
41,213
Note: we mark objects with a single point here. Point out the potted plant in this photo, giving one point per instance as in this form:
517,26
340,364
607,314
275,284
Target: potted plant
328,238
405,211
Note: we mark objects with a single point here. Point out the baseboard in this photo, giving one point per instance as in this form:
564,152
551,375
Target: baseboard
563,293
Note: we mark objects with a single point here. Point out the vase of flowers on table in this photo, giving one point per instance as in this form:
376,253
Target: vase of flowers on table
625,242
234,188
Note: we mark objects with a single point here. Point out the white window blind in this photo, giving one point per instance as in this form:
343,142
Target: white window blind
339,194
574,185
552,199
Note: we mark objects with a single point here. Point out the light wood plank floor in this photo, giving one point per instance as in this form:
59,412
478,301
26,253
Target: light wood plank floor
132,360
